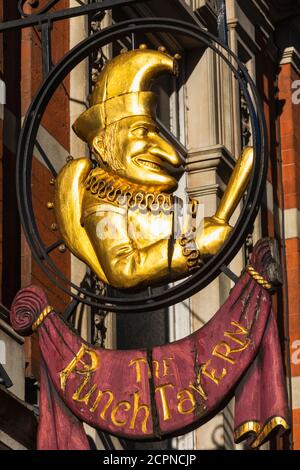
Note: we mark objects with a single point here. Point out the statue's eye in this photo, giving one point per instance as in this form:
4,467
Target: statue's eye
140,131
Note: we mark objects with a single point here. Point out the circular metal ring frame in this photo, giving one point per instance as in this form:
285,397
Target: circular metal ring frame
200,278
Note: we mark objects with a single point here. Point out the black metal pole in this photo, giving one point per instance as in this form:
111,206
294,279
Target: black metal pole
46,47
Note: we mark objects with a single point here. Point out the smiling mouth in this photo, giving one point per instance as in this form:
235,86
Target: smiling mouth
148,164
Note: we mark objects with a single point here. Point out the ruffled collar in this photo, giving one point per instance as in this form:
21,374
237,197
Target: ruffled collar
118,191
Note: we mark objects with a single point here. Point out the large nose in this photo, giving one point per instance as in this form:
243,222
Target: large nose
162,149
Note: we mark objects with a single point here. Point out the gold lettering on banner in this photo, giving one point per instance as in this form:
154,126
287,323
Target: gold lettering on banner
78,359
212,374
166,366
242,330
165,405
136,409
137,363
223,346
107,405
185,396
197,387
86,398
155,365
115,420
160,368
232,335
224,351
128,412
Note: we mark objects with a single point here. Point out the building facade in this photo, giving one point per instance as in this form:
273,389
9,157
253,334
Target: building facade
204,116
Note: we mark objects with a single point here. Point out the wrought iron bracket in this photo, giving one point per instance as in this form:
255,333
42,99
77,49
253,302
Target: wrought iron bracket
35,4
36,19
230,274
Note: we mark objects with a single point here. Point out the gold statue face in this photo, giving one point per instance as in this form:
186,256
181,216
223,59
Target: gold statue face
133,149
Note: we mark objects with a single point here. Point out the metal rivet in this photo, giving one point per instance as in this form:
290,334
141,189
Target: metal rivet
162,49
143,46
52,181
62,248
69,158
54,227
177,56
123,51
50,205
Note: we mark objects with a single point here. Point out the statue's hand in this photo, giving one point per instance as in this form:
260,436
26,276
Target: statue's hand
211,235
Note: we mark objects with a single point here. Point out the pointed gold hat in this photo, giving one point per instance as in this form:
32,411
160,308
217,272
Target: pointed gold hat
122,89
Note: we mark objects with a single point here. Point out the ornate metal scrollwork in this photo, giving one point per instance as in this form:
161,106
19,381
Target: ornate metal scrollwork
35,4
98,58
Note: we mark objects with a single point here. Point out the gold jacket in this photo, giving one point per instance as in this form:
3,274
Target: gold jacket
126,235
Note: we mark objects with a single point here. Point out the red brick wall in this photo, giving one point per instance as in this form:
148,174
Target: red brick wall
283,119
290,139
267,70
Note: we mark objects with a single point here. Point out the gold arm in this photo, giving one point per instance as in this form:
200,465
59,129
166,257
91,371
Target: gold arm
215,230
236,187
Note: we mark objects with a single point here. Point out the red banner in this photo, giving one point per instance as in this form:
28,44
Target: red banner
170,389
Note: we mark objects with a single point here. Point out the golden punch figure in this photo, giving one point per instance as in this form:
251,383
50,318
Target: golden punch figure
117,214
